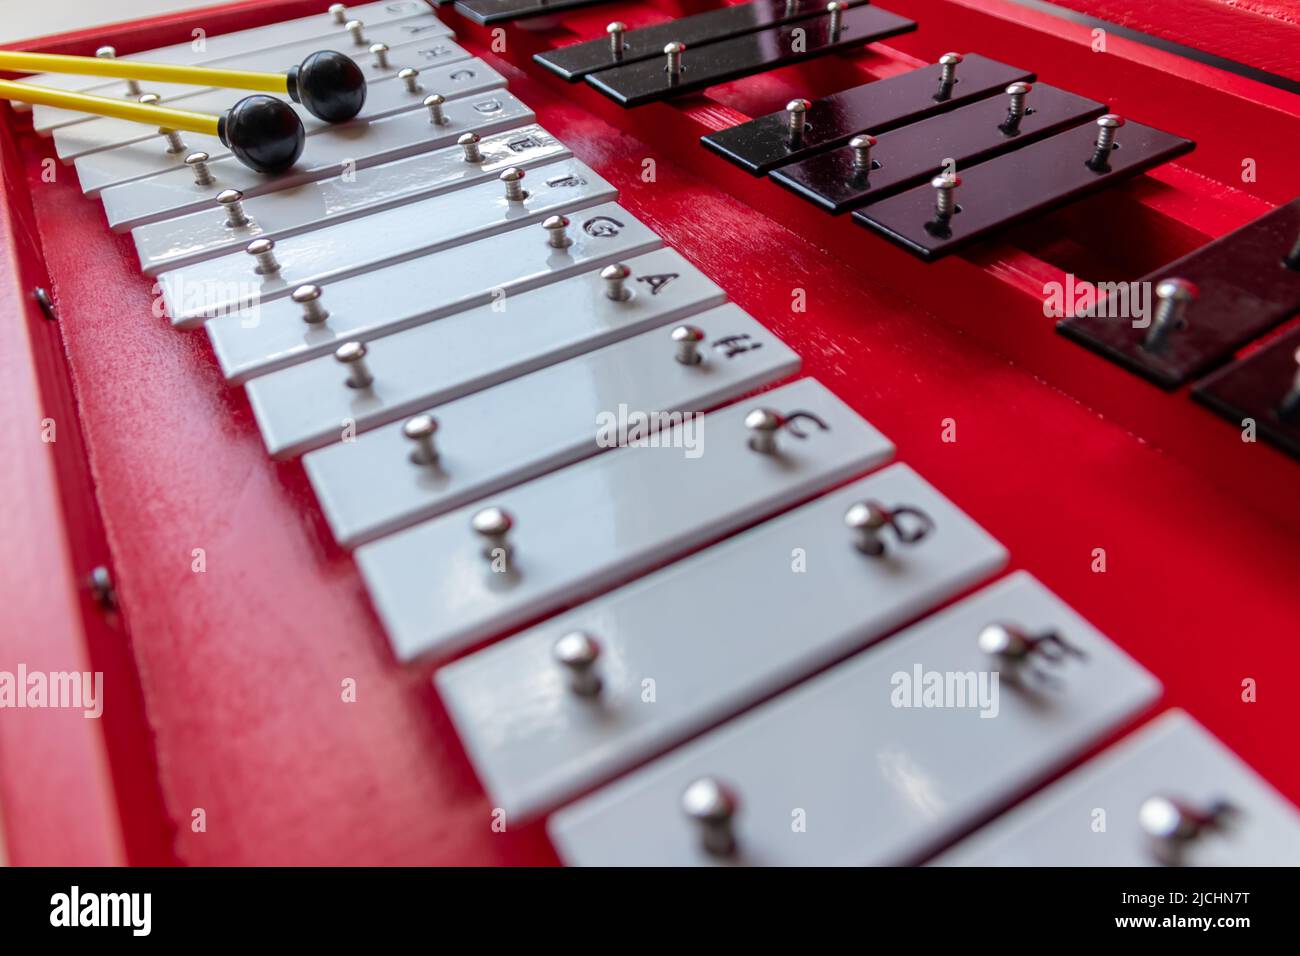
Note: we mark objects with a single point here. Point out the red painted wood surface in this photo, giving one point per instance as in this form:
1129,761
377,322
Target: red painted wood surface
1057,454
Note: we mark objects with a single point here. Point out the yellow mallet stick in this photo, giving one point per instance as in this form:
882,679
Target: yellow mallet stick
327,84
262,131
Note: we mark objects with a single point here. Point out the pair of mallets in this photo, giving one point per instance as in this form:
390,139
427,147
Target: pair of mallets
262,131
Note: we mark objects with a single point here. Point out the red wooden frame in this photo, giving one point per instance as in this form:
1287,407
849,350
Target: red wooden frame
225,691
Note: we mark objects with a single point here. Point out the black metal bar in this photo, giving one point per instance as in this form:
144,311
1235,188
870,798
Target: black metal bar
648,80
764,143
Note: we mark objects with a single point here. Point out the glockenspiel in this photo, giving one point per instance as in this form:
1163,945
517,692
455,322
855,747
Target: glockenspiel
722,434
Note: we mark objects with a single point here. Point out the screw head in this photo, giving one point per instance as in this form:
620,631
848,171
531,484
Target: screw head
555,223
408,73
946,181
350,352
228,197
512,175
378,48
1019,89
193,159
950,59
709,800
577,649
434,99
764,420
106,52
999,640
420,427
1180,290
492,522
861,142
617,26
688,333
674,48
468,139
353,25
616,271
260,247
835,6
1161,818
150,99
1110,121
865,516
306,293
798,106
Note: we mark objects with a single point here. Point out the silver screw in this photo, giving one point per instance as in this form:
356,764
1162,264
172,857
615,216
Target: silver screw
1106,127
578,652
616,277
688,339
514,181
352,355
433,103
945,195
866,520
673,51
106,52
358,31
339,12
1292,259
616,31
948,75
411,77
1015,107
469,142
380,52
1289,407
861,146
232,201
150,99
198,164
836,10
797,111
1173,296
763,425
263,250
174,142
712,805
557,235
493,526
309,296
420,430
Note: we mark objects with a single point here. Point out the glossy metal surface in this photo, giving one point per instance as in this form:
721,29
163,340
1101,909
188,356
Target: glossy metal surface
371,486
603,520
714,633
879,776
405,38
414,229
350,146
764,143
170,243
408,293
147,158
576,60
912,154
1244,291
419,368
1253,389
384,96
1009,189
713,63
1091,817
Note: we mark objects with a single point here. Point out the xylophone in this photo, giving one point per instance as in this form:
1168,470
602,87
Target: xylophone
686,433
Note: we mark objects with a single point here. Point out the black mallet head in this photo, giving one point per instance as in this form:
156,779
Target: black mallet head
330,85
263,132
